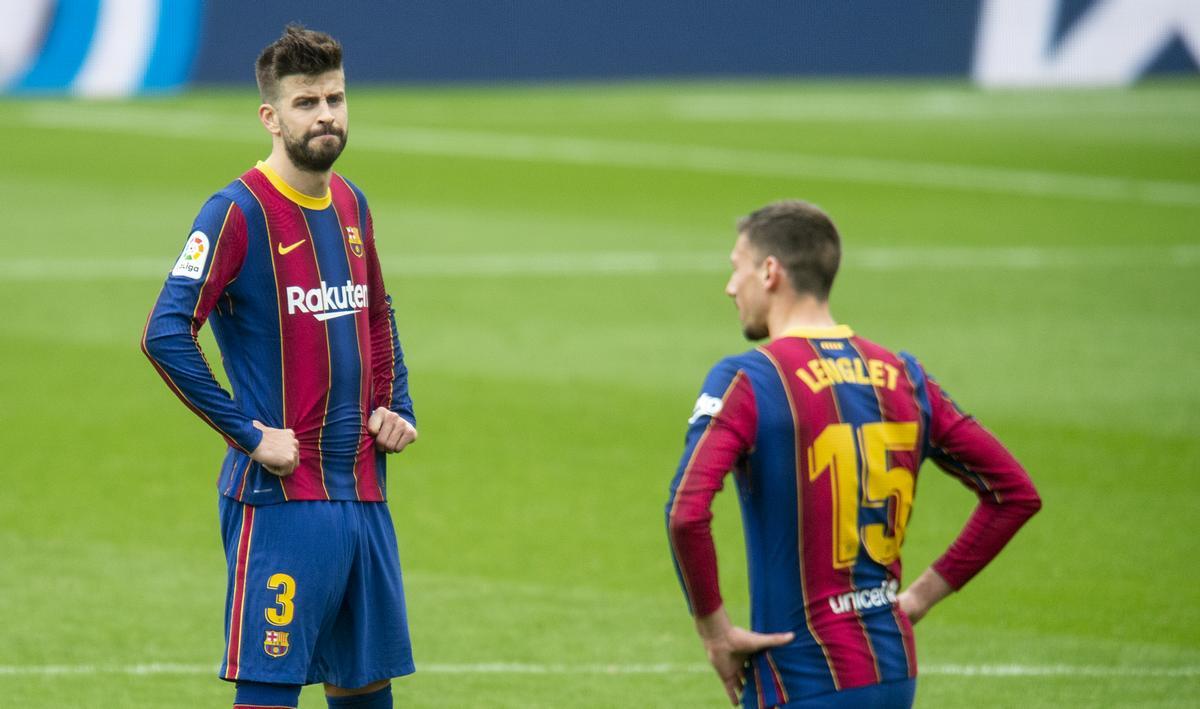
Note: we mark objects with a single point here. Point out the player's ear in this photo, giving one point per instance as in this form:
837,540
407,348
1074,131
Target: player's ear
269,118
772,272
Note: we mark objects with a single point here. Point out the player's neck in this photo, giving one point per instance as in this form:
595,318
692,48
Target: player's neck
799,314
313,184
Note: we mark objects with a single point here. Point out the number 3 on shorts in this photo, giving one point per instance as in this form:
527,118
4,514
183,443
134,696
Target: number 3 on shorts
287,608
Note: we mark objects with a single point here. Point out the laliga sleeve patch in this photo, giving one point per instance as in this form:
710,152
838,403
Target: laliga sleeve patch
706,405
191,261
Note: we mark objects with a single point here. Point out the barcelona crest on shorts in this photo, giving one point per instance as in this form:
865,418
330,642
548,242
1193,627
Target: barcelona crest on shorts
276,643
355,241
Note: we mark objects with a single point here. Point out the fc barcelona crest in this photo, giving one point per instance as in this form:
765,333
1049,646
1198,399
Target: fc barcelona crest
276,643
355,241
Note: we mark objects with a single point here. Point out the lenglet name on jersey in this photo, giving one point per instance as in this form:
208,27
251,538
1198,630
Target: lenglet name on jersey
823,372
327,301
866,599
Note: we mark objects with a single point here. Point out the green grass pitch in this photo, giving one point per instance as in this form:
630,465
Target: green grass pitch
557,255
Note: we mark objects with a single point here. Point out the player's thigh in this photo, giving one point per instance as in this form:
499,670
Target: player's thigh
286,572
369,639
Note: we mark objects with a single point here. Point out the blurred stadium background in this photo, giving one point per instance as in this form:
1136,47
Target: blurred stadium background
554,187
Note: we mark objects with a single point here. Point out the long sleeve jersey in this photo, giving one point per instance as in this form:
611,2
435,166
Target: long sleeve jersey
825,433
293,289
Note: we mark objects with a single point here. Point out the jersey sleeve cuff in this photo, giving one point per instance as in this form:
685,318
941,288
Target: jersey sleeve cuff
247,437
407,414
956,579
707,605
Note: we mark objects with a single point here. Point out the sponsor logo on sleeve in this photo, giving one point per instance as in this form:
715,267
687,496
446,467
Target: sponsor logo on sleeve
191,261
706,405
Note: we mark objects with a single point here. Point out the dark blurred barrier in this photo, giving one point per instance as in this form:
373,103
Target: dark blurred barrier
122,46
478,40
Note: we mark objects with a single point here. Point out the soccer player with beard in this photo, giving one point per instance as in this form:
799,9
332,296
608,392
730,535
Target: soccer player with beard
825,432
283,263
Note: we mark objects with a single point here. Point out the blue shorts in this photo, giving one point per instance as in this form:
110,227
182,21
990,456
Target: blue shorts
886,695
314,594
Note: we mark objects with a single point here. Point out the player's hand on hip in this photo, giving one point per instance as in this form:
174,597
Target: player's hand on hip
392,432
729,647
278,451
926,592
911,606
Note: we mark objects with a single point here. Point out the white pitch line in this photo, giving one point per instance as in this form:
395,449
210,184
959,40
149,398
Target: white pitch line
647,155
660,668
606,263
955,670
780,164
925,106
1056,671
157,668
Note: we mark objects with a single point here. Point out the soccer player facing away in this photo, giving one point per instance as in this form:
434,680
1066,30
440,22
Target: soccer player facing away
824,432
283,262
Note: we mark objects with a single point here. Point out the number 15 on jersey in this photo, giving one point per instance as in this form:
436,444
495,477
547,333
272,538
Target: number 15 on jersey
867,481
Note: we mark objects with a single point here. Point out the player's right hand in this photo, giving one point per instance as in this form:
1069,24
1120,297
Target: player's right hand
729,654
730,647
278,451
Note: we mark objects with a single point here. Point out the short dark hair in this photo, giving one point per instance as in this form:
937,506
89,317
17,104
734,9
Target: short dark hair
297,51
802,237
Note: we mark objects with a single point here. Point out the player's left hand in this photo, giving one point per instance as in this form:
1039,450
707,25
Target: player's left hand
392,433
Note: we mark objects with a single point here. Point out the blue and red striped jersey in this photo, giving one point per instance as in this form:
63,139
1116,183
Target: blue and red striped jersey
293,289
825,432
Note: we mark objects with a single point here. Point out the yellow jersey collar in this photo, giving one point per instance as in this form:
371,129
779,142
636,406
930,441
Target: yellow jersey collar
292,193
833,332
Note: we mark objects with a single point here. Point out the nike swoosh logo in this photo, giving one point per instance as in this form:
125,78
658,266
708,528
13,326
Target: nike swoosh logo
285,250
335,314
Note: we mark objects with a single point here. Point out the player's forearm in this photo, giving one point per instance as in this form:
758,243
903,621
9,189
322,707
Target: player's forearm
390,389
1007,496
714,625
696,561
390,377
716,440
923,594
177,358
986,533
401,401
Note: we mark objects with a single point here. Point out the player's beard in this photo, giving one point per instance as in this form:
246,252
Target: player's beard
755,331
754,320
318,159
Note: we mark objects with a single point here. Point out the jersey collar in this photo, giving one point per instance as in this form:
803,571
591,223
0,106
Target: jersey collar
834,332
292,193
